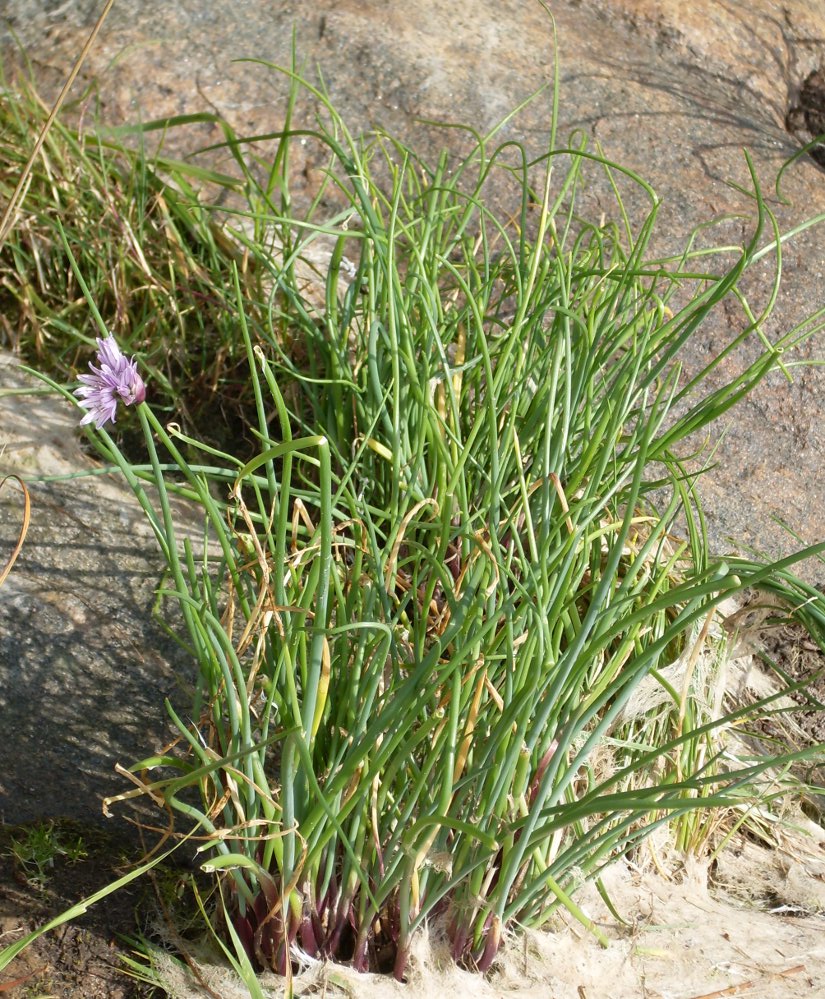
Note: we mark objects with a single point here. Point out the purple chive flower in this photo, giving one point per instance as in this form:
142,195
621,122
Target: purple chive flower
116,380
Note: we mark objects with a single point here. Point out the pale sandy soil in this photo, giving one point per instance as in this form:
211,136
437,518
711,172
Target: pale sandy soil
680,941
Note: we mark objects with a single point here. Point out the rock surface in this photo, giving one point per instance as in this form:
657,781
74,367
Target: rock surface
83,667
673,91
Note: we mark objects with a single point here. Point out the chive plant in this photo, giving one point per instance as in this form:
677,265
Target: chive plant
423,608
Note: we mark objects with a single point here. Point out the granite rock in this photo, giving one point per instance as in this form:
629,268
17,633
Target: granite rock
84,667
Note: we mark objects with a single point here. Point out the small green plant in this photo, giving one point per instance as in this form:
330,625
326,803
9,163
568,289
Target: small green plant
424,609
450,568
35,850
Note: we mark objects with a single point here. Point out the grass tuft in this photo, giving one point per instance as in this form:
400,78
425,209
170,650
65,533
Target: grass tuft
455,615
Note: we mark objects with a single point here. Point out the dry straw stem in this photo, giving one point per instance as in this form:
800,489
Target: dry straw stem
24,526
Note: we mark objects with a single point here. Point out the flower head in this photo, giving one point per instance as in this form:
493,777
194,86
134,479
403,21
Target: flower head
116,380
